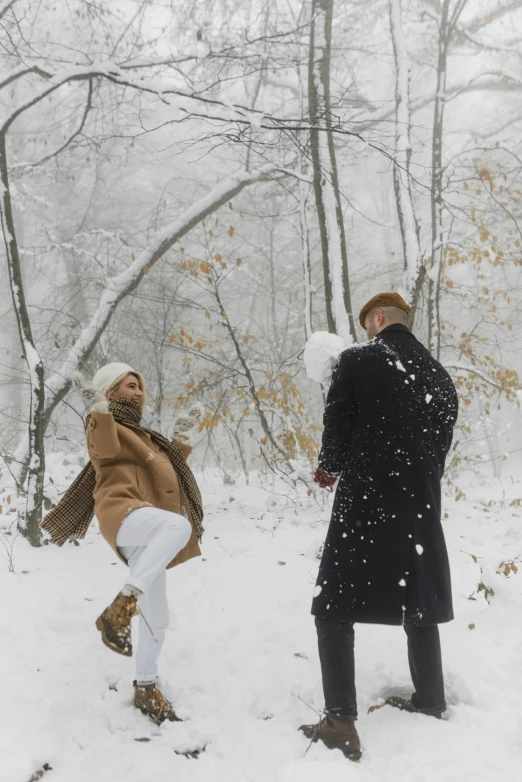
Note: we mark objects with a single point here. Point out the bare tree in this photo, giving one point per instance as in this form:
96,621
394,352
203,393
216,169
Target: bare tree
29,525
413,268
326,180
118,288
446,28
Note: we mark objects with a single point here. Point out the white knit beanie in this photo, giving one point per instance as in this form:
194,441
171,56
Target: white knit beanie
107,375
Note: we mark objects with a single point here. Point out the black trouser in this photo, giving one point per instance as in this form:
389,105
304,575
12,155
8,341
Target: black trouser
336,653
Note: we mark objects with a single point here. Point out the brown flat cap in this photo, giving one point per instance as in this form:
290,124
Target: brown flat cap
383,300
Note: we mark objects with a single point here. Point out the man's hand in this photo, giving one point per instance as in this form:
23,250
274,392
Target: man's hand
325,479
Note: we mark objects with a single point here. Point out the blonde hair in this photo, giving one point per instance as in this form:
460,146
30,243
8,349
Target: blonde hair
119,380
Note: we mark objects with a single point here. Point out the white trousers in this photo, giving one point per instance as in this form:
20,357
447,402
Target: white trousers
150,538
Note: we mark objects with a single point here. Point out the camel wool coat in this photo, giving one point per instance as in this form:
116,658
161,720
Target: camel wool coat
132,472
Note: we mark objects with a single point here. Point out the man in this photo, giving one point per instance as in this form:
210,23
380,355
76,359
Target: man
388,426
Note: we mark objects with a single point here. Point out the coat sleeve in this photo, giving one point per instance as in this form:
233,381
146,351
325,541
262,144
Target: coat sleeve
102,436
339,418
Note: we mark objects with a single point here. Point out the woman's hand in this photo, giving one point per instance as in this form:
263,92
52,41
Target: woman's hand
93,400
185,423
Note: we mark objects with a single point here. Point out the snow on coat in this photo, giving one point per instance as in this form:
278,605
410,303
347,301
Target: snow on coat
388,426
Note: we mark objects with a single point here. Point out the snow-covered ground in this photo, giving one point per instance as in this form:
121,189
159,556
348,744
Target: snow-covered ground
240,660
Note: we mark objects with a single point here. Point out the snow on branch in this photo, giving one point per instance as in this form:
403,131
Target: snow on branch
19,72
497,12
119,75
188,56
54,82
234,112
124,283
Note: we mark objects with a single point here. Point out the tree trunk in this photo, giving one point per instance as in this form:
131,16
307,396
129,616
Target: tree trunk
436,189
326,185
239,445
305,255
403,151
30,525
303,195
446,29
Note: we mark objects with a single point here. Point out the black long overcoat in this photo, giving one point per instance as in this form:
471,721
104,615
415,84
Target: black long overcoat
388,426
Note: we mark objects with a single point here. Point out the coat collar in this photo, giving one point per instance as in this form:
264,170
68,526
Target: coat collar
395,328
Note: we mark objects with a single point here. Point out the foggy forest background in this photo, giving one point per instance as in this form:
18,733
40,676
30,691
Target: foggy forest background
195,188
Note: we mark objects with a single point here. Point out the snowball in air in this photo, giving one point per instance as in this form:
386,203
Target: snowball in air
320,356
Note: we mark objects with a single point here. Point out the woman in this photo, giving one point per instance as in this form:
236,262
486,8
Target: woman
149,510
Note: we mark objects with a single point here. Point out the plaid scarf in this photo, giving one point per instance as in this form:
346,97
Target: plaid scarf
72,516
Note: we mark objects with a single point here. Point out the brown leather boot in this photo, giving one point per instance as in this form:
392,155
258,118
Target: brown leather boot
115,624
405,704
335,734
149,699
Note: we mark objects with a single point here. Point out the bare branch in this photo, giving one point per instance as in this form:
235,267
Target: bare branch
119,287
125,283
6,8
485,19
88,107
491,85
475,371
23,72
